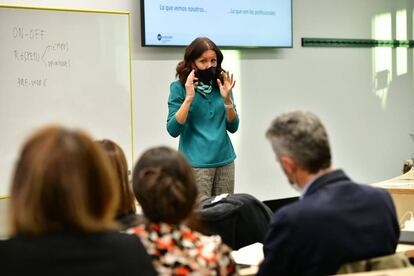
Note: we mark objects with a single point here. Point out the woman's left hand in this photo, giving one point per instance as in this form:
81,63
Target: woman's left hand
227,85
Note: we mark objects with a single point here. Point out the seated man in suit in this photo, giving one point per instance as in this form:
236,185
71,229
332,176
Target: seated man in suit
336,221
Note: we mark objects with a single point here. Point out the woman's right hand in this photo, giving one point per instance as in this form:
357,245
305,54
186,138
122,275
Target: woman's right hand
189,85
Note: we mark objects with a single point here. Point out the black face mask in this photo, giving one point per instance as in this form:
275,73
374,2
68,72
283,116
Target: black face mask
206,76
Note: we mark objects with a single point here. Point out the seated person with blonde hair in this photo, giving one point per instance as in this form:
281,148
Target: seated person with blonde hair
62,204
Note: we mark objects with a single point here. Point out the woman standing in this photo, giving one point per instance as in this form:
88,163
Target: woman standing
201,112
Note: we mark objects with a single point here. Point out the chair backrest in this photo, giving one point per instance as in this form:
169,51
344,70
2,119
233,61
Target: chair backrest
240,219
276,204
397,260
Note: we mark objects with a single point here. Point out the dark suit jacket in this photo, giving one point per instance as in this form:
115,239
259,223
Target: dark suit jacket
75,254
337,221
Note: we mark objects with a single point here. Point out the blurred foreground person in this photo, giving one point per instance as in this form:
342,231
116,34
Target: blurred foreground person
126,214
62,204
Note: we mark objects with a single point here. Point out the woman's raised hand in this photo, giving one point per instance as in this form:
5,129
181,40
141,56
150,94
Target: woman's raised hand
189,85
227,85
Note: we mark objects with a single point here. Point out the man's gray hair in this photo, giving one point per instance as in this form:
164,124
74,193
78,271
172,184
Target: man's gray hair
301,136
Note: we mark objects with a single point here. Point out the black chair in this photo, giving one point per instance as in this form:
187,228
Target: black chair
240,219
275,204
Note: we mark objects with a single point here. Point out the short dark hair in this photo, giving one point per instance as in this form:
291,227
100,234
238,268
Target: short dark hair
164,185
62,181
195,50
302,136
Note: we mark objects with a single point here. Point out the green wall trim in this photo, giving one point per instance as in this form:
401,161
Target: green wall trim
349,42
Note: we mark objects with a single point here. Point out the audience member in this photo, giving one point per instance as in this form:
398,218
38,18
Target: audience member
126,214
63,201
336,221
164,185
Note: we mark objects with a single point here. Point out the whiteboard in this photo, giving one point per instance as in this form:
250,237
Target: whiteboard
66,67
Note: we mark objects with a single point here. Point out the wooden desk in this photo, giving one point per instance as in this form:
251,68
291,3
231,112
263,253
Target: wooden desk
249,271
401,189
3,217
408,248
391,272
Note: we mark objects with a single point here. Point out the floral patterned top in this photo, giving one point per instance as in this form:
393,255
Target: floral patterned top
178,250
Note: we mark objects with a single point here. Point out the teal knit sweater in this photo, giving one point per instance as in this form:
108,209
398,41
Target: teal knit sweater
203,137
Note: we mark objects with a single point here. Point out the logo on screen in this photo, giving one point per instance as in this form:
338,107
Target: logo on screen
164,38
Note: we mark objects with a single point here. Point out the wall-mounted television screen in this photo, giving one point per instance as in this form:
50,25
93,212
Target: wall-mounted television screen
229,23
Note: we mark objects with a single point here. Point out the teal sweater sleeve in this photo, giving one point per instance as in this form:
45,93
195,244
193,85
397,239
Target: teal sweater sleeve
234,125
175,100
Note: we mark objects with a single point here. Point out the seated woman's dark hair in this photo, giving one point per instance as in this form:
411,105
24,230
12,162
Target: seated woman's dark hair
164,185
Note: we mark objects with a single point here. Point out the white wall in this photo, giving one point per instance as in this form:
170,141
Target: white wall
369,140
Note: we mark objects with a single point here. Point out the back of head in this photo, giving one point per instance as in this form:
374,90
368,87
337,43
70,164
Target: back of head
119,163
62,181
164,185
302,136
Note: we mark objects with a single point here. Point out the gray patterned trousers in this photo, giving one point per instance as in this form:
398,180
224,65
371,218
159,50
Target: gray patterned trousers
215,181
